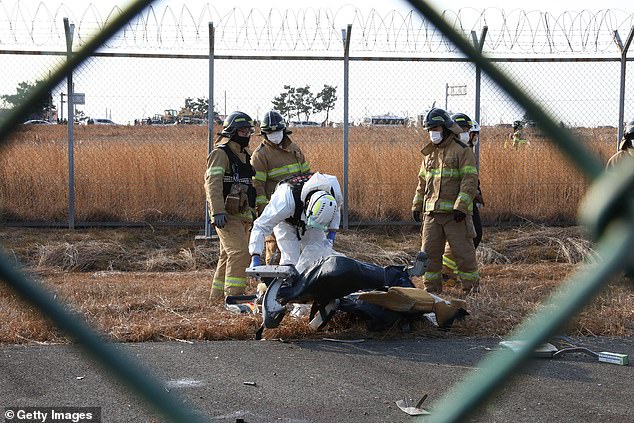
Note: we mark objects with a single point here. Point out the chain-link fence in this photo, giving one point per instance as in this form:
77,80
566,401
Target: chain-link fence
149,166
606,212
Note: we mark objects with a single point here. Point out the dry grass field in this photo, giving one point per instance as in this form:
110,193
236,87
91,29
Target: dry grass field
154,174
151,285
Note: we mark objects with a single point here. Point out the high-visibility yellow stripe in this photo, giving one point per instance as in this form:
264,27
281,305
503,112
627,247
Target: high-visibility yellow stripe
469,276
439,205
433,276
468,170
450,172
218,284
260,176
215,171
235,282
449,263
284,170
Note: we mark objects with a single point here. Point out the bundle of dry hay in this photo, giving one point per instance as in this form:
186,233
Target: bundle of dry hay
85,255
537,243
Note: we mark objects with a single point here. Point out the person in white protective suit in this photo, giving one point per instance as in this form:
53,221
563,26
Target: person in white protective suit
303,210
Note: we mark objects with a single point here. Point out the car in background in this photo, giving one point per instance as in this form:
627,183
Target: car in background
37,122
304,124
99,121
385,120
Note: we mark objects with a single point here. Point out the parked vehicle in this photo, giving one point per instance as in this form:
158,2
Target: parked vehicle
385,120
37,122
304,123
99,121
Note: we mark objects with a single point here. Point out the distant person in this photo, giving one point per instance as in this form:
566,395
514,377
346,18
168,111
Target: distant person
626,146
447,186
275,159
303,210
231,201
471,137
516,138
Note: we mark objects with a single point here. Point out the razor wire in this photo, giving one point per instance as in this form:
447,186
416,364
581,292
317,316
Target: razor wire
184,28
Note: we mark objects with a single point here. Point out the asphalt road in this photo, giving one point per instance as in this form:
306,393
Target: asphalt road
321,381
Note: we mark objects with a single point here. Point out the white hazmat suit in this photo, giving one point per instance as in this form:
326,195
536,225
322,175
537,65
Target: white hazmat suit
292,239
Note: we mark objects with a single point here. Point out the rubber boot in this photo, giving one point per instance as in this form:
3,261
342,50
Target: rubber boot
234,290
433,287
470,287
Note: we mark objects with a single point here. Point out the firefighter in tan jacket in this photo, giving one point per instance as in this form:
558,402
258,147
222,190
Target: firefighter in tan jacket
275,159
231,201
447,186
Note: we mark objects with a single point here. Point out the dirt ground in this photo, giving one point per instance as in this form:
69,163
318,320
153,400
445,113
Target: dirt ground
139,284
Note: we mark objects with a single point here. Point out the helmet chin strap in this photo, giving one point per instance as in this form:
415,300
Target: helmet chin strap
243,141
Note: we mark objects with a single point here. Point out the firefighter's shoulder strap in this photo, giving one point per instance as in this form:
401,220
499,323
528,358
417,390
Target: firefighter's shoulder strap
296,183
237,165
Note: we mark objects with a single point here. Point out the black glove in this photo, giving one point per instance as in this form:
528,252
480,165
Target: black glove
220,220
416,215
458,216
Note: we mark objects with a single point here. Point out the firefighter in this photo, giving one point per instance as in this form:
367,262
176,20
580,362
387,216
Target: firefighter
275,159
626,146
303,210
231,200
516,138
447,186
470,136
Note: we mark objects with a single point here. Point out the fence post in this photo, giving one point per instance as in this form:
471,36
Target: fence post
346,65
479,44
68,30
210,118
624,48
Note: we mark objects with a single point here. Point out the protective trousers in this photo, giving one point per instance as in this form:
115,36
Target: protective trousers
230,276
441,228
450,267
291,245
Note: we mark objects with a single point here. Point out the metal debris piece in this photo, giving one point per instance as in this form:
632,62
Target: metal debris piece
344,341
413,410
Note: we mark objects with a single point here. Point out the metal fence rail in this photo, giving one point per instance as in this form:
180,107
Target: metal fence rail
607,210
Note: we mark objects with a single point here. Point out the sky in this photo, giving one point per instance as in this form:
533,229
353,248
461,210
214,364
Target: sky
149,101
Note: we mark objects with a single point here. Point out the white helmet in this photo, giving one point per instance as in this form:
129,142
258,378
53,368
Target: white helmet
321,209
474,134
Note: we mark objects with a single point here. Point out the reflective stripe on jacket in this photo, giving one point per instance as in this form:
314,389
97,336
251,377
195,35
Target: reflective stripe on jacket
272,163
448,178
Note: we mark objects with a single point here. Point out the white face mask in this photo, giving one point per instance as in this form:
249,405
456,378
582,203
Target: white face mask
435,136
275,137
464,137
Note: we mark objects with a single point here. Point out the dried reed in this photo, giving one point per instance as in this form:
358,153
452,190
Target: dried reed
155,174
